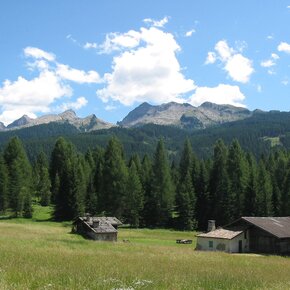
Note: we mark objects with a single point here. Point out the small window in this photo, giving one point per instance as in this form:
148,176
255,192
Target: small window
245,234
210,244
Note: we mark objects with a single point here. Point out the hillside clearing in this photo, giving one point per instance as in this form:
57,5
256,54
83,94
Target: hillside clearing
38,254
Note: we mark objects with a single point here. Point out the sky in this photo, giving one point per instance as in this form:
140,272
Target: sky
108,57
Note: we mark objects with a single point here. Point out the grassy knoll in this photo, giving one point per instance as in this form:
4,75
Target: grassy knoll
39,254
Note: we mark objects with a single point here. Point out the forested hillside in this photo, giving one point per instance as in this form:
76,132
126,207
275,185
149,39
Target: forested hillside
257,134
146,191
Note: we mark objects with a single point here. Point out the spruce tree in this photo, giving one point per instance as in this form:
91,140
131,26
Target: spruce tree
219,208
42,180
3,186
238,174
264,205
115,174
19,175
134,198
162,187
150,209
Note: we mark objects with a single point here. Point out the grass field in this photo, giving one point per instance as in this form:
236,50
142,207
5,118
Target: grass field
39,254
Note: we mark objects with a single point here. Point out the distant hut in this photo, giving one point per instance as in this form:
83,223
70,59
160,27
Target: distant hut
269,235
97,228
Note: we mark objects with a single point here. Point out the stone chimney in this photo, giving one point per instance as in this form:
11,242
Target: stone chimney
211,225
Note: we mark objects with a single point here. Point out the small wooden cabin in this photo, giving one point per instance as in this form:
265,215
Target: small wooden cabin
97,228
269,235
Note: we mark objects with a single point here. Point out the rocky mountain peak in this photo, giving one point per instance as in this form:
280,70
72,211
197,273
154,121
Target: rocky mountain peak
24,120
68,115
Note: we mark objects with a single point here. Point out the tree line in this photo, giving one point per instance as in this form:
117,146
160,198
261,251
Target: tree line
147,192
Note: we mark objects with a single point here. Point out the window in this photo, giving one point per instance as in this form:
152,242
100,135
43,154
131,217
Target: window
210,244
245,234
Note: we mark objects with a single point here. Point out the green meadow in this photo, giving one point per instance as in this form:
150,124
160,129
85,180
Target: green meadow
40,254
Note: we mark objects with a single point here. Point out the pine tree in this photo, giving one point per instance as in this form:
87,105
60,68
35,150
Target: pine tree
3,186
115,174
149,213
238,173
162,187
202,198
68,181
219,185
264,206
185,197
19,174
251,187
134,198
42,180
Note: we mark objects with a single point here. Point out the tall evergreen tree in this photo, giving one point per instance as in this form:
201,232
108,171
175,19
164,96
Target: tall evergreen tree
115,174
42,179
251,187
68,181
150,209
134,198
238,174
19,174
162,187
3,186
264,206
219,185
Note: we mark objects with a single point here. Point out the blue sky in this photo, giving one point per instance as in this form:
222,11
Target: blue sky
107,57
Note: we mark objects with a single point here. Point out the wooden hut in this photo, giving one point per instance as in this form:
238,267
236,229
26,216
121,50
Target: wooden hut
97,228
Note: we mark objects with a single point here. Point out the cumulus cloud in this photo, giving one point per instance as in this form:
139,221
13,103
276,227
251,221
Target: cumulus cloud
147,72
79,76
238,67
38,53
221,94
211,58
79,103
156,23
29,96
269,63
36,95
190,33
284,46
118,41
89,45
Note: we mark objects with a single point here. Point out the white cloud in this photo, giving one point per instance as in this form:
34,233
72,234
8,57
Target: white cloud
38,53
89,45
259,88
238,67
79,76
149,72
190,32
31,96
285,82
222,94
80,102
36,95
110,108
211,58
284,46
268,63
8,116
270,37
157,23
117,41
275,56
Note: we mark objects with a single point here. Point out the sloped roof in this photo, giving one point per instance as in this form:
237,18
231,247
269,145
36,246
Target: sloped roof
111,220
104,228
277,226
221,234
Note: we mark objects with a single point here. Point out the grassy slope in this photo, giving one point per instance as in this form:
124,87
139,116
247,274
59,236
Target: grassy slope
38,254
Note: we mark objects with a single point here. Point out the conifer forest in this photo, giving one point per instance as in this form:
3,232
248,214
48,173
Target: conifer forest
146,191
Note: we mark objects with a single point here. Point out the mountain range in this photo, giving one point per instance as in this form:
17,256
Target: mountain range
172,114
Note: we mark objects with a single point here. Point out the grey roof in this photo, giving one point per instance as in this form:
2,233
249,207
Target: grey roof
277,226
111,220
104,228
101,224
221,234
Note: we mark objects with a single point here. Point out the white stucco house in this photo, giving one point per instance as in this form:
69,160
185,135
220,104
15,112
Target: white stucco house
230,241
